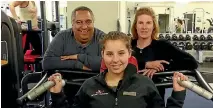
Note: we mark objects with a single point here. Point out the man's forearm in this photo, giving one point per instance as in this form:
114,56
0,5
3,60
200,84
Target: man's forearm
92,62
50,63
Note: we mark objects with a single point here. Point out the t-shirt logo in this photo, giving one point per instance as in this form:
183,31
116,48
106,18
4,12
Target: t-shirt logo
99,92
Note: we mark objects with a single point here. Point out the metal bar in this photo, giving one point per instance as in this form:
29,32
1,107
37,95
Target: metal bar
57,11
45,37
202,82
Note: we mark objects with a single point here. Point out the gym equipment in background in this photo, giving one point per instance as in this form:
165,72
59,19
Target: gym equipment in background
188,46
182,45
174,37
161,36
188,37
210,46
195,37
202,37
196,46
209,37
181,38
203,46
175,44
167,37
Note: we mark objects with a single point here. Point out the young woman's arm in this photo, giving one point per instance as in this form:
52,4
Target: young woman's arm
59,100
176,100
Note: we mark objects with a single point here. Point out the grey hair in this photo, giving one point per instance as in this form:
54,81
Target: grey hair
81,8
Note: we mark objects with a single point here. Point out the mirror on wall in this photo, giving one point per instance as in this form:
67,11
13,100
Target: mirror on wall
175,17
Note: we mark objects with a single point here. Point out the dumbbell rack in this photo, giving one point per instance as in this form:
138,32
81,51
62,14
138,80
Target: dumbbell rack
197,44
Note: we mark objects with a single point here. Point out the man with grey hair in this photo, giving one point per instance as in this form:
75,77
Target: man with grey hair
77,47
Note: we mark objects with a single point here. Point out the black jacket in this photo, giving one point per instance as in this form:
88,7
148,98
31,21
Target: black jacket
134,91
164,50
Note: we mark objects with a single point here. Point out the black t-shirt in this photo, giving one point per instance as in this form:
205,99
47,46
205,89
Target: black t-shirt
143,55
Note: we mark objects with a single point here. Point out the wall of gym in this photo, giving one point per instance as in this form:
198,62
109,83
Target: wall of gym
111,11
106,13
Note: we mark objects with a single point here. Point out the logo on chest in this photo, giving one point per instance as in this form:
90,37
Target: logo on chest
99,93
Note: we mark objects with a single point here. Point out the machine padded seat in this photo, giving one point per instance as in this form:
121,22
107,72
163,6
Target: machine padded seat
28,58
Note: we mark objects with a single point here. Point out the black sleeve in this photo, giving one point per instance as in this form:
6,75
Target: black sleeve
181,60
141,65
52,56
154,100
176,100
81,99
59,100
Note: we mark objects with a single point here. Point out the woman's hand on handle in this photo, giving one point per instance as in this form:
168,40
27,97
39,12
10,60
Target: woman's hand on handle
58,83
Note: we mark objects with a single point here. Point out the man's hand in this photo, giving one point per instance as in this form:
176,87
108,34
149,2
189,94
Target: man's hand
149,72
86,68
70,57
182,77
157,65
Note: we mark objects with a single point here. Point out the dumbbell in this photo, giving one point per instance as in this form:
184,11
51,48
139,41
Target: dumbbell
161,36
202,37
188,46
210,46
203,46
181,38
209,37
195,37
196,46
182,45
175,44
188,37
167,37
174,37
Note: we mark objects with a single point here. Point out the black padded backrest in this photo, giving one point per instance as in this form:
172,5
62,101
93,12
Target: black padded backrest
7,34
10,85
18,39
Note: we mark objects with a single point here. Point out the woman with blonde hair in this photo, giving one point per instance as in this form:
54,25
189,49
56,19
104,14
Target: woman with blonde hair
155,55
